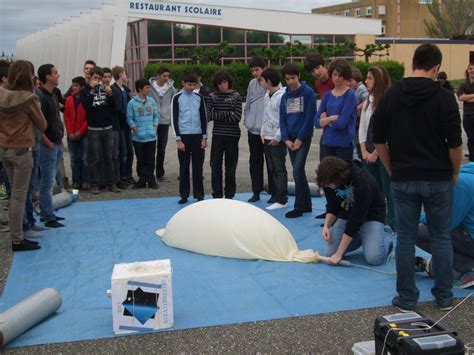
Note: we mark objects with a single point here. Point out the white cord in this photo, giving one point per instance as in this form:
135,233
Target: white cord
424,325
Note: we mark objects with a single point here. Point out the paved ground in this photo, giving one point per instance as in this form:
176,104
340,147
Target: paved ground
327,333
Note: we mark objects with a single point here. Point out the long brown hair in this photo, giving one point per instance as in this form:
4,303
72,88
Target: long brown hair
19,76
382,83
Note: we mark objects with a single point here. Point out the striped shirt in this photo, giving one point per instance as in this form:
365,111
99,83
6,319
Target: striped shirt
226,111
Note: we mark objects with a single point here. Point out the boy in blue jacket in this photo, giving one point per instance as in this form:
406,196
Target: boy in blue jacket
189,120
297,109
142,117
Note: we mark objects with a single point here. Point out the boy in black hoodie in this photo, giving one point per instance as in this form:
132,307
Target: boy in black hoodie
417,134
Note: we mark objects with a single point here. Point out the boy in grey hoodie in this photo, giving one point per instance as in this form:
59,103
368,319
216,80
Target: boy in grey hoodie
162,92
253,115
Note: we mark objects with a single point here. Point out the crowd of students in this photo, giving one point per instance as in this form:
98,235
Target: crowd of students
384,151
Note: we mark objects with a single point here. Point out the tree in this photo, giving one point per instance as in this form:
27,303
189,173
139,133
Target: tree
453,19
212,55
373,49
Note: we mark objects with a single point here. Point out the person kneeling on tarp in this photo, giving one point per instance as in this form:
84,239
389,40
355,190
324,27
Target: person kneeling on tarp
462,231
355,212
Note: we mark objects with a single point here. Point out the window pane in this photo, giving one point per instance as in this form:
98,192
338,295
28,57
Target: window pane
233,35
159,32
183,52
302,39
127,40
239,52
134,34
342,39
159,52
322,39
254,50
279,38
209,34
257,37
184,33
142,29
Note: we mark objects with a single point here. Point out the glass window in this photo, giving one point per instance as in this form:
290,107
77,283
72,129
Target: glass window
302,39
257,37
342,39
134,31
322,39
209,34
233,35
159,52
127,40
142,29
279,38
159,32
184,33
239,52
347,12
183,52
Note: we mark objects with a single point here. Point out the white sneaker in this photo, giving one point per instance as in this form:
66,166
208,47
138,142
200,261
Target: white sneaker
32,234
276,206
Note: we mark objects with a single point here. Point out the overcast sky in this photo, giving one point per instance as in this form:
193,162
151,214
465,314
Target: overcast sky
20,17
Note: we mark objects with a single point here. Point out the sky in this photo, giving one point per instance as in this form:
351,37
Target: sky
21,17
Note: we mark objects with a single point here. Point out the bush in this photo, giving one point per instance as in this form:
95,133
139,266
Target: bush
241,72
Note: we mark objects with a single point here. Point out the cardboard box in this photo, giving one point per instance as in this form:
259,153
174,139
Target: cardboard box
142,296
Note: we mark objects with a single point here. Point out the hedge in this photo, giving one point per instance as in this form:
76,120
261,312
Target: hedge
241,73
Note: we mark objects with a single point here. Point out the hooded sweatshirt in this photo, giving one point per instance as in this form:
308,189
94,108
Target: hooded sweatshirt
19,115
297,109
271,115
144,116
420,121
100,108
463,200
163,96
253,111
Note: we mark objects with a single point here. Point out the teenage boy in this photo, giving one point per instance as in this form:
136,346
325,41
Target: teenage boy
142,117
100,108
421,124
297,109
162,92
87,69
75,121
189,121
51,146
200,88
122,97
275,149
253,115
225,109
315,64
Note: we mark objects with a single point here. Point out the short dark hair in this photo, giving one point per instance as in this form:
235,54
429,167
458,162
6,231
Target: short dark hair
197,71
190,77
162,70
141,83
221,76
107,70
90,61
342,67
442,75
333,170
257,62
312,60
43,71
79,80
356,74
426,57
272,76
290,69
97,70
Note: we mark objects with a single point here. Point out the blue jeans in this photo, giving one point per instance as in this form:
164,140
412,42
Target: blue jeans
28,218
78,154
49,160
436,198
371,236
298,161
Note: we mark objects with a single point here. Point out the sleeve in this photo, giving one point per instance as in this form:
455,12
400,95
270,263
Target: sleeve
362,200
450,121
203,116
156,118
348,111
364,95
306,128
283,119
111,101
117,101
462,89
84,127
322,108
332,206
37,117
86,100
364,124
382,119
210,107
248,101
68,114
462,202
175,116
233,114
131,115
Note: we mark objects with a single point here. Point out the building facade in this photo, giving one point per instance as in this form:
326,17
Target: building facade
400,18
134,33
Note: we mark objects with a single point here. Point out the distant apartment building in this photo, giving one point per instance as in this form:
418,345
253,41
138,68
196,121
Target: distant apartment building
400,18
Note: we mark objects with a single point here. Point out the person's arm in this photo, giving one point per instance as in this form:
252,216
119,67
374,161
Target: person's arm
45,140
328,222
450,126
321,114
203,116
68,117
309,112
384,155
248,101
232,113
455,155
84,127
131,117
284,123
156,118
463,95
348,111
37,117
382,118
175,117
462,202
364,123
363,198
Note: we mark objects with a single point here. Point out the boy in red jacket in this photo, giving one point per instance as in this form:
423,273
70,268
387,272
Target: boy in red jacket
76,127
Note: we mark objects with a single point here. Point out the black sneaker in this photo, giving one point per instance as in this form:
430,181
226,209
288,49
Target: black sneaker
294,214
272,200
122,185
254,198
183,200
402,308
153,185
25,246
139,185
114,188
445,305
53,224
130,180
56,218
307,210
30,241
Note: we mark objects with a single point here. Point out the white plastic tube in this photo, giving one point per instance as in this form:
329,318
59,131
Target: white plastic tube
60,200
29,312
313,189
